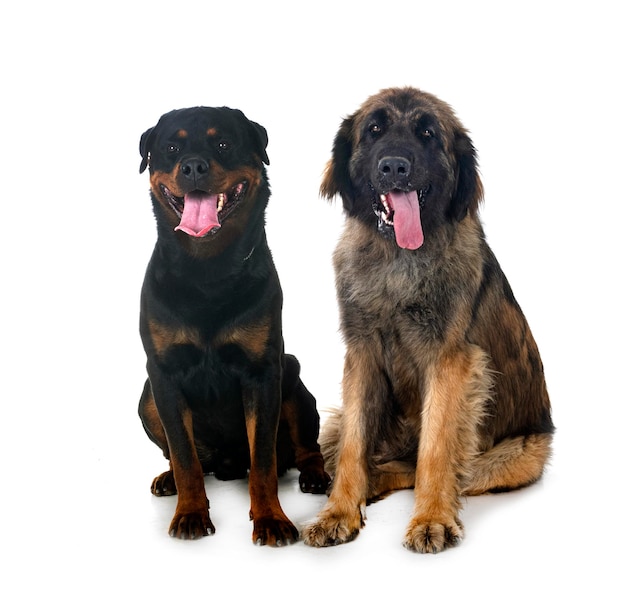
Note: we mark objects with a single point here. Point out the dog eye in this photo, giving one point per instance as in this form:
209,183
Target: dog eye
223,145
375,130
173,148
427,133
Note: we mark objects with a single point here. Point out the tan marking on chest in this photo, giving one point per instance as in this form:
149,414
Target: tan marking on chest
251,338
164,337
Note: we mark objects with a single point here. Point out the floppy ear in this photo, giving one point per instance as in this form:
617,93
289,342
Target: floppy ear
259,137
468,192
145,144
336,179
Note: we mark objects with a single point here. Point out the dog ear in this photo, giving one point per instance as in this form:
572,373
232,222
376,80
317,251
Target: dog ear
145,145
468,193
336,179
259,137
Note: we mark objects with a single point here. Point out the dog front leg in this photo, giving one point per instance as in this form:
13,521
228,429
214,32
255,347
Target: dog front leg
262,409
344,513
457,388
191,519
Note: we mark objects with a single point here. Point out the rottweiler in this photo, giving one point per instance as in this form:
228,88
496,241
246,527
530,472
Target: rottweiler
222,397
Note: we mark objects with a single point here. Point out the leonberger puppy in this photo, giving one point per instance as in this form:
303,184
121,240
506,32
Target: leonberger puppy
443,387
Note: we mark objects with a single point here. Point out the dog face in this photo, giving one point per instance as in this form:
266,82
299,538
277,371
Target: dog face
205,166
404,165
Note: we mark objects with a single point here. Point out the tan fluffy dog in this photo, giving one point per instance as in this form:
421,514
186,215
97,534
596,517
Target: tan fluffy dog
443,386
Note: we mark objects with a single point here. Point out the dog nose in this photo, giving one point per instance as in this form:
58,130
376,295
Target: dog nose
194,168
394,167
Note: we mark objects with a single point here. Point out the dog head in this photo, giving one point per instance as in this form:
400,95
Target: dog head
404,164
206,167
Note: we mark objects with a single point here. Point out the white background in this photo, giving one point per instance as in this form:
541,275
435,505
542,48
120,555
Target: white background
540,87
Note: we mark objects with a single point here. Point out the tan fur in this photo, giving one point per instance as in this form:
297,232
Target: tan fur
189,484
252,338
271,524
443,386
164,337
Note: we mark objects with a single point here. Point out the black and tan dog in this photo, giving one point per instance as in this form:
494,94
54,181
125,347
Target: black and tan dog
221,396
443,386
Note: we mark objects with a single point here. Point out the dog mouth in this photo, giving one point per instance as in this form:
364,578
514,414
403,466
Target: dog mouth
400,211
201,212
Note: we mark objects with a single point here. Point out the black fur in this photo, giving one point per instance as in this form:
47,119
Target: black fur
220,389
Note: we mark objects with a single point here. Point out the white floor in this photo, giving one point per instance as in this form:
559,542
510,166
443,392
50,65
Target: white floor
78,510
540,90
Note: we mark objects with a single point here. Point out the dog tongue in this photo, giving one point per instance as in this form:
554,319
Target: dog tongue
406,219
199,213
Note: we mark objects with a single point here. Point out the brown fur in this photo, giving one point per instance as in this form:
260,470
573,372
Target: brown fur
443,386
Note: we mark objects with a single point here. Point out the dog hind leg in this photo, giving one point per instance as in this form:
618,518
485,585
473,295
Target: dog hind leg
389,477
511,464
299,412
164,483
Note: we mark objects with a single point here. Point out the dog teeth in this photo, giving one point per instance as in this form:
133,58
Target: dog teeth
387,212
220,202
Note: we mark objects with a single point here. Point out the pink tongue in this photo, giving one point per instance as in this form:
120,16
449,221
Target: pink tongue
199,214
406,219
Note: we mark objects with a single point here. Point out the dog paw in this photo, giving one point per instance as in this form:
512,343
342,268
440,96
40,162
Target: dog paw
191,526
314,480
432,536
270,531
164,484
331,530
